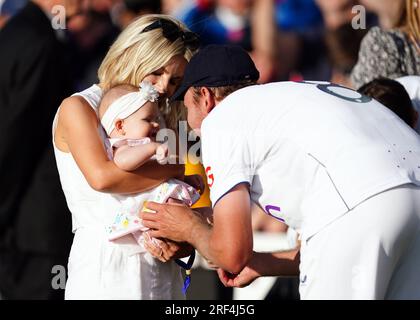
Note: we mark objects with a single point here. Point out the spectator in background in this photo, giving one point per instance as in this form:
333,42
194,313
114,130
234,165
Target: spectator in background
177,8
300,41
222,22
129,10
8,8
392,95
389,12
247,23
336,12
341,39
3,16
35,226
297,15
343,46
390,53
91,33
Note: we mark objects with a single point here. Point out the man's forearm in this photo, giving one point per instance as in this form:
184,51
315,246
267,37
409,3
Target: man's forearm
211,247
285,264
200,237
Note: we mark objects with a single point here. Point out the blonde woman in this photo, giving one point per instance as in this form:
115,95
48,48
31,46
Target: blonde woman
390,53
154,48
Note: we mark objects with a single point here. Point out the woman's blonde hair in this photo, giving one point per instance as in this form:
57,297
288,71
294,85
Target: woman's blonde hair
134,55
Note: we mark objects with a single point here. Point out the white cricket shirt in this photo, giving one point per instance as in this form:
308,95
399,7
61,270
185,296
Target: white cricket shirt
412,86
309,151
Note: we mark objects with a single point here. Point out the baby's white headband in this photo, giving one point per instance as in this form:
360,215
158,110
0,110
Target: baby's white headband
126,105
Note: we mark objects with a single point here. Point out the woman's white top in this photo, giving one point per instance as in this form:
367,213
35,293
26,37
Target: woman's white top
86,204
309,151
99,268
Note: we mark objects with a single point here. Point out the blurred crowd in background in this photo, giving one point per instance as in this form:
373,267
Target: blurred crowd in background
287,39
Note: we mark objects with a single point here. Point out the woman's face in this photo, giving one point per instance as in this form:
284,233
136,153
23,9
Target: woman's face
168,78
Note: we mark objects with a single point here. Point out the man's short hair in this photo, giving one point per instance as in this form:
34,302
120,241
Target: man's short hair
222,92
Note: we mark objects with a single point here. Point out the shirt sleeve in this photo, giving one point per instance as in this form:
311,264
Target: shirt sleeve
227,161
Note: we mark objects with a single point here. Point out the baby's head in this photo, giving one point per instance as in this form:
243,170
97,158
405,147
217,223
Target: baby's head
127,112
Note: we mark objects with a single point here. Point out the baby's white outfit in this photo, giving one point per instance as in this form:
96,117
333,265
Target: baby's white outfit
126,220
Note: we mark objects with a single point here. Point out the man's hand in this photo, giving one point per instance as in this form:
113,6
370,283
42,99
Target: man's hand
243,279
171,221
165,250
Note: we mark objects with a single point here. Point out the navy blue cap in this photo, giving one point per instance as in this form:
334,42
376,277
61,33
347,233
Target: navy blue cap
217,66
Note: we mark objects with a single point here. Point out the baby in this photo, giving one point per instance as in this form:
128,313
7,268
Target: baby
129,117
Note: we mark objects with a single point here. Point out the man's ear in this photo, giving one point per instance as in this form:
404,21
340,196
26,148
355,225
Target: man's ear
119,126
209,101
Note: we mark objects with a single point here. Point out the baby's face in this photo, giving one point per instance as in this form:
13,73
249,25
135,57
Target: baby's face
142,123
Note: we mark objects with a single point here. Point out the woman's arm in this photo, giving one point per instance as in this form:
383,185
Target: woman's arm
77,127
129,158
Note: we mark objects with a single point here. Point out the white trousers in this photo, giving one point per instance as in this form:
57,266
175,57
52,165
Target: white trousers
372,252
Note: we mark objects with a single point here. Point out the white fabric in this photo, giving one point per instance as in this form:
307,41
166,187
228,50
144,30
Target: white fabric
309,156
412,85
98,268
125,106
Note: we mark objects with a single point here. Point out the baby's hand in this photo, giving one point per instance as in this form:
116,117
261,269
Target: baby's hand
195,181
162,154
